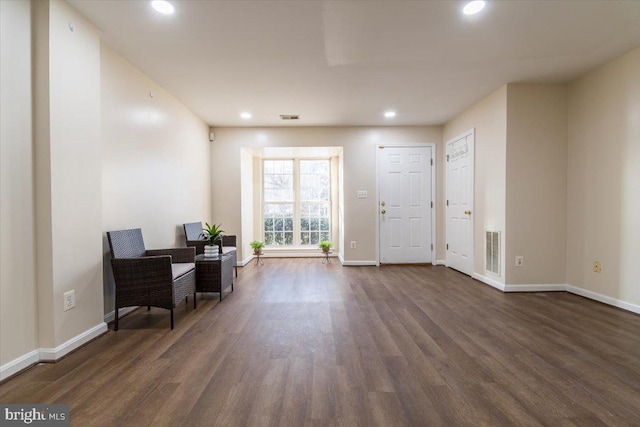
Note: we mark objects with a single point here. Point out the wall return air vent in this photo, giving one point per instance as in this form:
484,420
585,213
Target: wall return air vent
289,116
493,252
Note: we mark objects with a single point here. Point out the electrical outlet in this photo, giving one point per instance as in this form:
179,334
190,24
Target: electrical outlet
362,194
353,244
519,260
597,267
69,300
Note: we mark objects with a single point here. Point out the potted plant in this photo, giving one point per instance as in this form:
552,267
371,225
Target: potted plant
325,245
213,233
257,247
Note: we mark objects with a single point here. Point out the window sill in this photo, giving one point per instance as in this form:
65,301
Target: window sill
291,249
295,251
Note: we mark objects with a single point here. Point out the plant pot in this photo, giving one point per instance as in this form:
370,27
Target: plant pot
326,250
257,251
211,251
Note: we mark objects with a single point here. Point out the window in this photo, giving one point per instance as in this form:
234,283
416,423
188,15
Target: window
315,205
279,201
297,202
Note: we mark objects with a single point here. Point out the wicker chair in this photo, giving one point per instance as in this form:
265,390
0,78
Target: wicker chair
195,238
160,278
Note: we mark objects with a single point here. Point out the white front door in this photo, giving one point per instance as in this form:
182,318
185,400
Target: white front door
459,162
405,204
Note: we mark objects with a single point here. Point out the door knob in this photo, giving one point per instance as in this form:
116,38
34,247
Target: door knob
383,212
382,204
467,212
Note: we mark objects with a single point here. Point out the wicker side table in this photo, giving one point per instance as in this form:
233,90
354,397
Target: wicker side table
214,274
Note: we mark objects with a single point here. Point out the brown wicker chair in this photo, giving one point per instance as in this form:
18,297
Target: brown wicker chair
195,238
160,278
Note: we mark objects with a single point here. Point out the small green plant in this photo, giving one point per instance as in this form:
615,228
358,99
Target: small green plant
325,245
212,233
256,246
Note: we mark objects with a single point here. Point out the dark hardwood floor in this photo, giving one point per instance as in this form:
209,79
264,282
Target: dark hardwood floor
301,343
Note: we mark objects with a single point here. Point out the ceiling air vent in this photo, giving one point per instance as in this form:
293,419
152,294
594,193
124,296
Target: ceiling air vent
289,117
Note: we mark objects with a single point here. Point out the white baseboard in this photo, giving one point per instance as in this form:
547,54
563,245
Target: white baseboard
17,365
358,263
110,317
491,282
440,262
245,261
634,308
50,354
536,288
520,288
53,354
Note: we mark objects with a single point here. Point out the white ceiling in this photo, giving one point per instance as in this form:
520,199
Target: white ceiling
346,62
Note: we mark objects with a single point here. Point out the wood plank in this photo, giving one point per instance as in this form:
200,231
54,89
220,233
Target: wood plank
299,343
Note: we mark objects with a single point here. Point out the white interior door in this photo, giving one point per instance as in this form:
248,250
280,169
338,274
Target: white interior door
460,155
405,197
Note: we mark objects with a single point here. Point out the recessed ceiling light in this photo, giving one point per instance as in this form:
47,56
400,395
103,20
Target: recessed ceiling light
389,114
162,6
473,7
245,115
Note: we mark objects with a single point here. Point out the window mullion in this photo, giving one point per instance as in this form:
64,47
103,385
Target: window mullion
262,181
296,205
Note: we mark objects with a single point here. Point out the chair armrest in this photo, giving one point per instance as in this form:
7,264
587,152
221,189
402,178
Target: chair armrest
198,245
229,241
177,254
134,272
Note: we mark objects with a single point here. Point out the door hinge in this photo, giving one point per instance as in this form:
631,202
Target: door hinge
431,205
432,246
447,202
447,157
431,162
381,146
447,246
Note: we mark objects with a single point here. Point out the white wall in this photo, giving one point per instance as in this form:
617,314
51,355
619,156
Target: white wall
68,179
536,182
359,158
18,304
246,203
155,161
603,180
42,172
489,119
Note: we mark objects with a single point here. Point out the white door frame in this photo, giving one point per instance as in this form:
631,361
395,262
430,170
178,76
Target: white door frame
471,132
433,194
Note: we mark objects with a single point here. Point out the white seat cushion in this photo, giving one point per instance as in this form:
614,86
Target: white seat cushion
181,268
228,249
